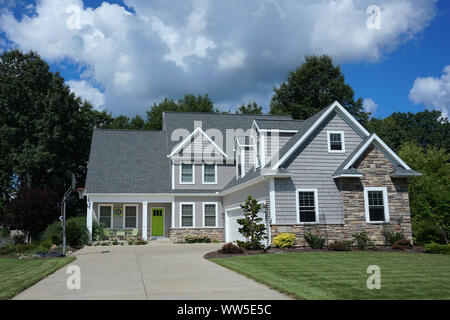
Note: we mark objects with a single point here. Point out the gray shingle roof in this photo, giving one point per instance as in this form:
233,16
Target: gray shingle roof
340,169
222,122
287,124
400,172
124,161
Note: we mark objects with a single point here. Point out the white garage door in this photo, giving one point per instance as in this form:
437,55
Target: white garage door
232,227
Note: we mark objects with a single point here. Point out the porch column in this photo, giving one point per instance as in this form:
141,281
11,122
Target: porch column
144,220
89,219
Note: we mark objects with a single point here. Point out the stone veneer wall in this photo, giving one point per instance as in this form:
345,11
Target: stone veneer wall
177,234
375,168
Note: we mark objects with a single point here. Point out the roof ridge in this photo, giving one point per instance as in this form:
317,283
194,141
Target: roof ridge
296,120
231,114
126,130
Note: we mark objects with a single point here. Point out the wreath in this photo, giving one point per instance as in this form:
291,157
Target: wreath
118,212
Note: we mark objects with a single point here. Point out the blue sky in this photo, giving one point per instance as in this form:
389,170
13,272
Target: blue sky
126,56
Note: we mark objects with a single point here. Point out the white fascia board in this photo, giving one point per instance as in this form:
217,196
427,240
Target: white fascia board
336,106
198,129
243,185
256,125
348,176
382,145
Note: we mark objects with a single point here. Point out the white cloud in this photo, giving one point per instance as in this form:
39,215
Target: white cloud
234,60
370,105
230,49
87,92
433,92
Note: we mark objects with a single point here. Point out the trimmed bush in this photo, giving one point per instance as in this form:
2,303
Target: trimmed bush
244,244
284,240
46,244
231,248
21,248
314,241
196,239
437,248
363,241
337,245
402,244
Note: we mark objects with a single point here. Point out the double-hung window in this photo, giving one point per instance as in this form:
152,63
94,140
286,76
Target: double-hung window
105,215
376,204
210,214
130,216
336,142
209,173
187,215
307,206
187,173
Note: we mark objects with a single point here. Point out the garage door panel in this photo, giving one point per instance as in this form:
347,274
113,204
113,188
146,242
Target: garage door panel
232,227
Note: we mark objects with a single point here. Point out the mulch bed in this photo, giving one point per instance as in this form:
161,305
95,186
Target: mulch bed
217,254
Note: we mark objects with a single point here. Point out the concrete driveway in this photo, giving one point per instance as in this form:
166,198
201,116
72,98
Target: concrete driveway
159,270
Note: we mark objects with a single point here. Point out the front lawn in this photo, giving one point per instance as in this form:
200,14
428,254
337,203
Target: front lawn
342,275
17,275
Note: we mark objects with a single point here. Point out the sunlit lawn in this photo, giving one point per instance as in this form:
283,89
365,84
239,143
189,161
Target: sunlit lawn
342,275
17,275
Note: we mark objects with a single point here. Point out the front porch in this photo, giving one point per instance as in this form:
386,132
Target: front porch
131,220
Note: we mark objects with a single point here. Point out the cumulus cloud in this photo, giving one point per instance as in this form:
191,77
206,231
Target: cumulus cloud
87,92
369,105
233,50
433,92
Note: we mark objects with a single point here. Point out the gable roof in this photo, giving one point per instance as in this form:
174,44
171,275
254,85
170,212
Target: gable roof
185,120
189,138
308,127
125,161
346,168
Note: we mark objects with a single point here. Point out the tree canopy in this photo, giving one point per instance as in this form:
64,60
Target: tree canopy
313,86
250,108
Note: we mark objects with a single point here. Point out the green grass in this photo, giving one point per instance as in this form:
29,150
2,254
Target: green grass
342,275
17,275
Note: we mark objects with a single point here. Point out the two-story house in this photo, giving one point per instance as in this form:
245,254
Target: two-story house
326,174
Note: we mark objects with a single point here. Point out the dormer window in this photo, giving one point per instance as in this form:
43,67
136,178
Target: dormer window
187,173
336,142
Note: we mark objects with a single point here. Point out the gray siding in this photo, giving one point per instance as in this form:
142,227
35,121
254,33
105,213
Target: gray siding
312,169
225,172
258,191
199,209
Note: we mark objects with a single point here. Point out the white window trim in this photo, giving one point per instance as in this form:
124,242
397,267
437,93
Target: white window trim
193,214
181,172
204,211
385,204
203,173
342,141
125,212
316,205
112,209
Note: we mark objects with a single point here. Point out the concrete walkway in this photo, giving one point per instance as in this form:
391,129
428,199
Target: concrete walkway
160,270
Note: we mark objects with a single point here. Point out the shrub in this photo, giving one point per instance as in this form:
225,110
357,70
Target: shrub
140,242
46,244
284,240
402,244
115,242
231,248
77,233
6,233
337,245
97,231
363,241
21,248
437,248
196,239
252,226
215,241
314,241
8,249
130,242
243,244
390,236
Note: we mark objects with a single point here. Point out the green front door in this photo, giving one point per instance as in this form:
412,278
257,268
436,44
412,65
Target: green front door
157,222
